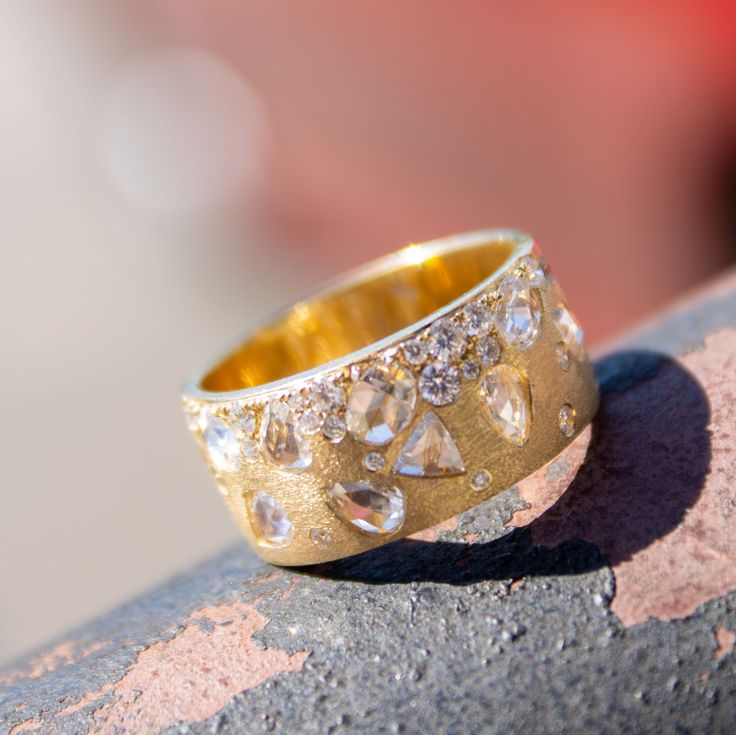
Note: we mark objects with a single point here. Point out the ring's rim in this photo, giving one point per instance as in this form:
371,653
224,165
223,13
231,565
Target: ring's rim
415,253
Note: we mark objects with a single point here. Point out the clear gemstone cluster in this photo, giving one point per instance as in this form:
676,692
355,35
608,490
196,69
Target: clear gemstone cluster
373,403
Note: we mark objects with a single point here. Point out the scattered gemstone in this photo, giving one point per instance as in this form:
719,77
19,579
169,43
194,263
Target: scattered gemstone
533,272
374,507
381,404
477,318
247,421
446,341
326,396
374,461
270,522
570,331
488,350
430,451
439,384
505,392
297,402
480,480
415,351
471,368
222,442
517,313
249,448
334,428
567,420
191,416
563,355
320,538
309,423
281,439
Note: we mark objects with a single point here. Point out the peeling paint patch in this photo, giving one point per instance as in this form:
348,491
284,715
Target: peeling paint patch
44,663
725,641
432,534
196,673
30,725
654,490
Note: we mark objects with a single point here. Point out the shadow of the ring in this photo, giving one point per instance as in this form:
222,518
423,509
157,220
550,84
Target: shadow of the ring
645,466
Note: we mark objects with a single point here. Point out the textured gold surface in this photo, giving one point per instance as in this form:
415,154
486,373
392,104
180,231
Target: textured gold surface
372,304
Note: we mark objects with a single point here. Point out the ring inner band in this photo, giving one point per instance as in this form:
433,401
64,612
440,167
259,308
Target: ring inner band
397,292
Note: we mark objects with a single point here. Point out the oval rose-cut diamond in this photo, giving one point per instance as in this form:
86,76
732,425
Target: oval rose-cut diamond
570,331
506,394
282,440
222,442
517,313
381,404
270,521
374,507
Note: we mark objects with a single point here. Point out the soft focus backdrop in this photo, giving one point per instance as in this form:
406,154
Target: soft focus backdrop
170,171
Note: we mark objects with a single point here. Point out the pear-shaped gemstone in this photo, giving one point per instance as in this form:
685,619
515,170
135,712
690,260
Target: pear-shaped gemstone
430,451
517,313
282,440
374,507
270,521
381,404
570,331
506,394
222,442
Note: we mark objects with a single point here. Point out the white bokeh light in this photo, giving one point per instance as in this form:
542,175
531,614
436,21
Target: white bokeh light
182,133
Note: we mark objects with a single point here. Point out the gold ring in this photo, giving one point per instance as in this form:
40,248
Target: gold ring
406,392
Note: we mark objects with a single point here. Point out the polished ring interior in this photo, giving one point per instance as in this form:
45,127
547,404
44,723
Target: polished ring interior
289,510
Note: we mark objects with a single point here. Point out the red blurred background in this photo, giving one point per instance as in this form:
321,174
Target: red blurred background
606,129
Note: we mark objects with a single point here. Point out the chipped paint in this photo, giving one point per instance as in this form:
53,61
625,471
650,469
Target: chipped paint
725,641
196,673
43,663
670,542
432,534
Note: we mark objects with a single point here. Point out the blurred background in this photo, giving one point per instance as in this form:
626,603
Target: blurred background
172,170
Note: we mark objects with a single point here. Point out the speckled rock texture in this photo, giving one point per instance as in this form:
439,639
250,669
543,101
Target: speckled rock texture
598,596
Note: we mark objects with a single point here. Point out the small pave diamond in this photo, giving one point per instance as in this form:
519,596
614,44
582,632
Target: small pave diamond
191,415
374,461
326,396
446,341
381,404
222,442
439,384
505,393
309,423
249,448
567,420
477,318
415,351
563,355
570,331
517,313
334,428
270,522
488,350
281,439
430,451
480,480
374,507
247,421
320,538
533,272
471,368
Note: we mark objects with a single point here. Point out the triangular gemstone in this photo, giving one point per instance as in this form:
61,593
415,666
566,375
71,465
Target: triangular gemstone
430,451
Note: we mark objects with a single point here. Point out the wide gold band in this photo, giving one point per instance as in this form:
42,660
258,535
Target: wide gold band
405,393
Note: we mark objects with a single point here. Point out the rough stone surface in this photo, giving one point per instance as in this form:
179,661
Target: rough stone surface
474,626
